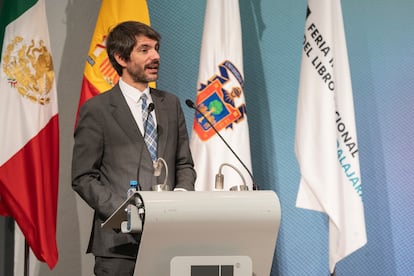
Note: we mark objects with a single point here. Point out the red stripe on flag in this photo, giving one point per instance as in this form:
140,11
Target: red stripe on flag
29,190
106,66
88,91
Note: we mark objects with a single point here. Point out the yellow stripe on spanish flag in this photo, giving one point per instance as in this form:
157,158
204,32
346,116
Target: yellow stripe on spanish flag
99,76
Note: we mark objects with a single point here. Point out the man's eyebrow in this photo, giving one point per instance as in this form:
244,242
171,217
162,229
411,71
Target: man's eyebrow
144,45
147,45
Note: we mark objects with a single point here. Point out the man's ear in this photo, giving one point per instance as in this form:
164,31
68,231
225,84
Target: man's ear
120,60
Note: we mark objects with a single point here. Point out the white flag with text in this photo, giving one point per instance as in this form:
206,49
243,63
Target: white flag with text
326,139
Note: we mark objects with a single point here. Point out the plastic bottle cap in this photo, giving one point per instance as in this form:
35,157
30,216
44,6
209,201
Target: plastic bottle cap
133,183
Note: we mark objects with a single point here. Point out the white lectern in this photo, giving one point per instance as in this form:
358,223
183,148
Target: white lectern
191,233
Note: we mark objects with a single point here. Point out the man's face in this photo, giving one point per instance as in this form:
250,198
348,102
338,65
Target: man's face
144,61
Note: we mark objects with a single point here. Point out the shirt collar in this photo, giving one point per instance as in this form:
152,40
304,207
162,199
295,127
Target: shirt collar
132,92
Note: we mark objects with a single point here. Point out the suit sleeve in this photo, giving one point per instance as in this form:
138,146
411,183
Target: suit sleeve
88,152
185,173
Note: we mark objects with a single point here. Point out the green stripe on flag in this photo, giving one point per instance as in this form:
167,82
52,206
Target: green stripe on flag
9,11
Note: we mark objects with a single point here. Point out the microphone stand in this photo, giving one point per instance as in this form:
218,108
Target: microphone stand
191,104
158,164
220,180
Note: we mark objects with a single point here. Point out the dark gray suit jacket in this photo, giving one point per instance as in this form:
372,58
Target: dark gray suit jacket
108,151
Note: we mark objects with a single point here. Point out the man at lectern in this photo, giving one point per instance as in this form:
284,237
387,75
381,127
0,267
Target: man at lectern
119,134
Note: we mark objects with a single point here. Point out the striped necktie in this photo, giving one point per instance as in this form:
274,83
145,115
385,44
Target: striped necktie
150,132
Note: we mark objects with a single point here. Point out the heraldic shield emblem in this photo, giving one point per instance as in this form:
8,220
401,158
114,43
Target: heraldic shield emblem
29,69
218,103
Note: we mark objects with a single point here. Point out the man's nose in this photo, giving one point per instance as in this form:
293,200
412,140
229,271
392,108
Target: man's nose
155,54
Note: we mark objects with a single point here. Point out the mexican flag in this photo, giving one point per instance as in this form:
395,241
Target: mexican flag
29,156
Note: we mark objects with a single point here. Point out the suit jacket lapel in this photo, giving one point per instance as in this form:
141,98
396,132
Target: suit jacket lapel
123,115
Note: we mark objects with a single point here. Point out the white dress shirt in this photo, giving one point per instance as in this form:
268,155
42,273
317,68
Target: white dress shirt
133,99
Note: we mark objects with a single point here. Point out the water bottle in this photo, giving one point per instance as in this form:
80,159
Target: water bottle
132,189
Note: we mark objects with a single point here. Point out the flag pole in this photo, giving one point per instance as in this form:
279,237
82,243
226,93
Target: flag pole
26,258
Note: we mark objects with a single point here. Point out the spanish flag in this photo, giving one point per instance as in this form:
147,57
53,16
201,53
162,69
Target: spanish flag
99,76
29,140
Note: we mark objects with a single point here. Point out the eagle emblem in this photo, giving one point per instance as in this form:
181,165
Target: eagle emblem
29,69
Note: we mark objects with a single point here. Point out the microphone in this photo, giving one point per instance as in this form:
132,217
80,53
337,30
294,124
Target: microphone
220,179
191,104
158,165
151,108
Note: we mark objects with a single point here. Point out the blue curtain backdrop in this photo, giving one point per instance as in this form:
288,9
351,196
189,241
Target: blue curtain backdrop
380,39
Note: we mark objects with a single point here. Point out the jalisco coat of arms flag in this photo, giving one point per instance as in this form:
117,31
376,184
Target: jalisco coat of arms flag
220,97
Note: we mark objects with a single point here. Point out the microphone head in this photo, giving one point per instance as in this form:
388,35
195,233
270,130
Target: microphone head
151,107
190,103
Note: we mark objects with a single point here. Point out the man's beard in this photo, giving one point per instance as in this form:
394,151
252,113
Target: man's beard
139,75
